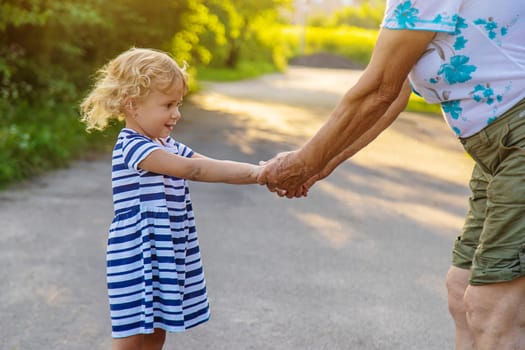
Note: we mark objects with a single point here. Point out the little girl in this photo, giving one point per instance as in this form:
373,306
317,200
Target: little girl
154,272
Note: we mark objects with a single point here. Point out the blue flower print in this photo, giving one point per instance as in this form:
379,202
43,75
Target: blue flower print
485,94
460,43
493,29
460,24
489,25
406,15
490,120
456,130
414,89
453,108
457,71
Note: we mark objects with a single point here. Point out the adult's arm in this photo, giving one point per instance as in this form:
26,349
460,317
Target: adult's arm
390,115
384,122
364,107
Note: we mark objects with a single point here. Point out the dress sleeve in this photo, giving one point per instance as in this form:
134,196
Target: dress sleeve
178,148
436,16
184,150
136,148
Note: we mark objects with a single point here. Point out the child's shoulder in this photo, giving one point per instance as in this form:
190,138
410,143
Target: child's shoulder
130,134
133,144
129,137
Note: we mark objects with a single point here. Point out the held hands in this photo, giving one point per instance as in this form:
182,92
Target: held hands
286,175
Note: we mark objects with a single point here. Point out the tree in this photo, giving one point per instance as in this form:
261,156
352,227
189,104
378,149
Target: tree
243,21
369,14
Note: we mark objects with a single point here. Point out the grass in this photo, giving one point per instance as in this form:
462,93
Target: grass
353,43
38,138
419,105
244,70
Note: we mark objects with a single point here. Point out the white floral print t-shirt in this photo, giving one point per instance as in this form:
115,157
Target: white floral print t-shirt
475,66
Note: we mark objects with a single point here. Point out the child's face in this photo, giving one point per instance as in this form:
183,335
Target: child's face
156,115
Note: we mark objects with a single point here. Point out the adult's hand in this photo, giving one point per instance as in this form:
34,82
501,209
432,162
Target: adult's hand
286,175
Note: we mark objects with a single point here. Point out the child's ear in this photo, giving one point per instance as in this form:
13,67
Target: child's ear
130,105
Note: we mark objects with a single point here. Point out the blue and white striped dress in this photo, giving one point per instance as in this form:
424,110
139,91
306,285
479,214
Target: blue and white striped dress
154,270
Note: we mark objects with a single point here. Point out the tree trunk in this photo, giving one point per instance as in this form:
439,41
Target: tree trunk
233,55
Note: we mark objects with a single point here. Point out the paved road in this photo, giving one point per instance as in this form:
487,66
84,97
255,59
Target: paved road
358,265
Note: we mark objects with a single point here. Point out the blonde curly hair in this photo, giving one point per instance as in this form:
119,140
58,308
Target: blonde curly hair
132,74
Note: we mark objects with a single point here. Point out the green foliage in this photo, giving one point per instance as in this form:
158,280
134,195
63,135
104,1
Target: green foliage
419,105
351,42
15,14
365,16
185,44
34,140
245,70
49,50
245,31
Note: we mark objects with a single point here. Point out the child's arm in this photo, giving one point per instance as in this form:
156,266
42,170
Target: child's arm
200,168
198,155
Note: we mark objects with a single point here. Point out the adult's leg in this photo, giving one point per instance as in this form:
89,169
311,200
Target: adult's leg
496,314
464,247
457,283
495,299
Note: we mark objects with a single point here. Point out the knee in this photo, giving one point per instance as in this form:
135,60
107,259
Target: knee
474,308
483,313
456,285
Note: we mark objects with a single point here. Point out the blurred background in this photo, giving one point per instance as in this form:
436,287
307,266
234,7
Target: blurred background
50,51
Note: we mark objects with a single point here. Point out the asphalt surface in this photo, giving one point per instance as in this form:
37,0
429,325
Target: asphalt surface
359,264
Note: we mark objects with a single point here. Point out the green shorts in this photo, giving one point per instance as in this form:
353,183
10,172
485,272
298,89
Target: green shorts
492,244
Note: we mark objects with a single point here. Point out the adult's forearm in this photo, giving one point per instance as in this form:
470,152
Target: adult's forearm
369,135
395,53
359,117
362,111
386,120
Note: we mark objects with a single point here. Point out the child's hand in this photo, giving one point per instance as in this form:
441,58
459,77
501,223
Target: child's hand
278,191
256,172
302,192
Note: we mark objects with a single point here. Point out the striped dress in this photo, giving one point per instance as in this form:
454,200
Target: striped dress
154,271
